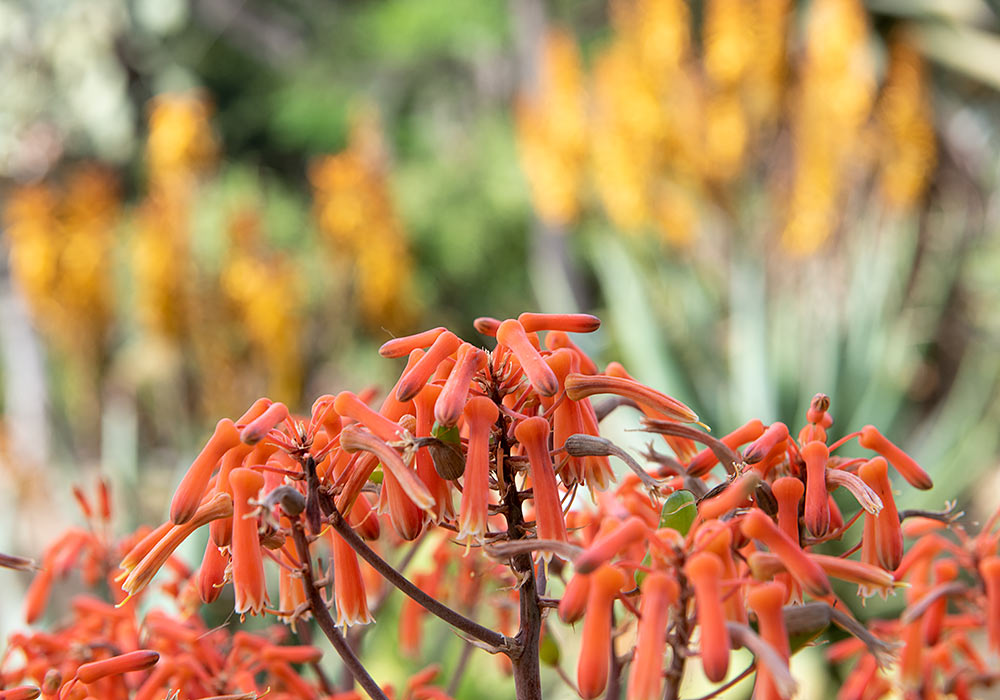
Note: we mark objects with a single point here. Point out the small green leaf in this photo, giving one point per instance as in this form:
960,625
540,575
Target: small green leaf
679,511
446,433
376,476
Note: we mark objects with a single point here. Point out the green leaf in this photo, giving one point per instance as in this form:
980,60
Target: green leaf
679,511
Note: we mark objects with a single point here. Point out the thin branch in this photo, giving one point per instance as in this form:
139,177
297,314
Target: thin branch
386,570
325,620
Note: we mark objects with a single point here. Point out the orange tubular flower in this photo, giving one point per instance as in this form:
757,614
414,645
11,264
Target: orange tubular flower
24,692
400,347
604,548
533,434
257,430
350,406
817,510
348,586
413,380
192,488
945,570
480,415
212,573
989,569
704,571
734,496
660,592
556,340
574,599
872,439
595,653
684,448
760,448
567,323
765,565
221,531
302,654
807,572
703,462
580,386
512,335
767,600
249,584
354,440
487,325
424,403
117,665
37,597
788,492
888,534
455,393
221,506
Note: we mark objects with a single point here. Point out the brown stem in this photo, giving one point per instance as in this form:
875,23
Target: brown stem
679,643
524,656
325,620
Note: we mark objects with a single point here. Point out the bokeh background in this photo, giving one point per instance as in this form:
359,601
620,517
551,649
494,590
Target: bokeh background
205,201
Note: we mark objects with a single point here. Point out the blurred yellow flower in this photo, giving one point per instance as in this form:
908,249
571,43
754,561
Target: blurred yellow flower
354,209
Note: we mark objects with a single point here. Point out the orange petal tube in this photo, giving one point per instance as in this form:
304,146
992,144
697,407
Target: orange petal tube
480,415
413,380
212,573
248,566
762,446
595,651
348,585
568,323
533,434
258,429
574,598
221,506
767,600
888,533
512,335
354,440
736,495
807,572
192,488
817,510
580,386
604,548
401,347
449,405
660,592
557,340
350,406
989,569
788,492
116,665
872,439
704,572
703,462
221,531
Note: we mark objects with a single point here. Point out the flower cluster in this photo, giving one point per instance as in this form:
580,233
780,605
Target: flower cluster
669,126
711,546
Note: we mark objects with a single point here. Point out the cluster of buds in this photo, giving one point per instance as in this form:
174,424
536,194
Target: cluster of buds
487,450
